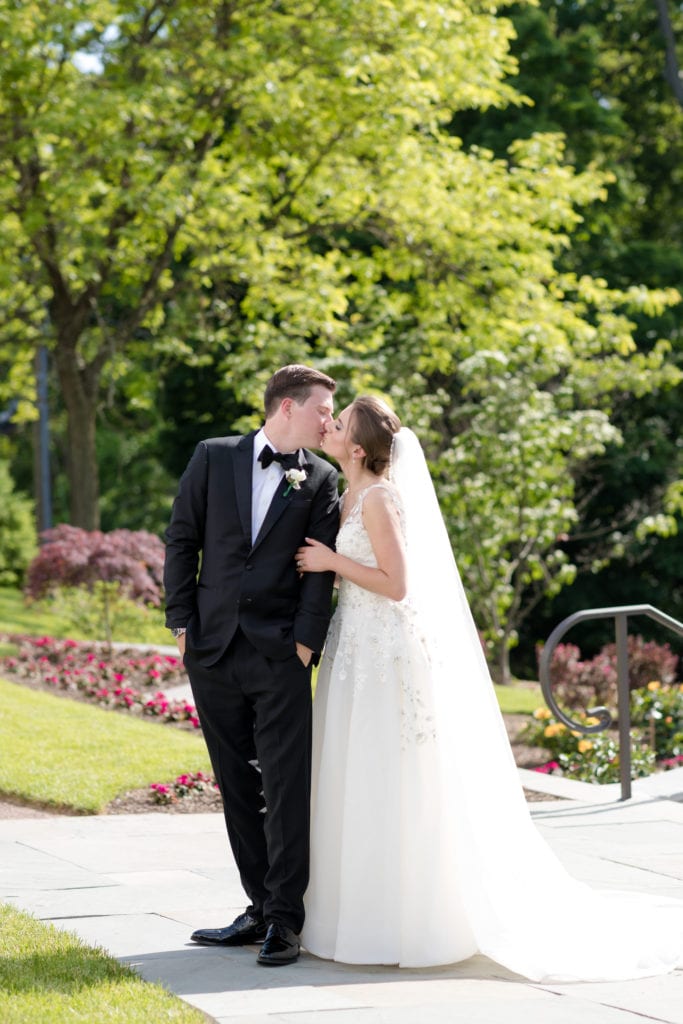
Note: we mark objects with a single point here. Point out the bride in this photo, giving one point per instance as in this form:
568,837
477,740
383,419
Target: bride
423,851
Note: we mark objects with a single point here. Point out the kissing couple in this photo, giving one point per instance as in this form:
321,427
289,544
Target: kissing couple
383,822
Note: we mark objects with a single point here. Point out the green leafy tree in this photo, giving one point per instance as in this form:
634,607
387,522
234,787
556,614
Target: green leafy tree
145,144
510,501
595,71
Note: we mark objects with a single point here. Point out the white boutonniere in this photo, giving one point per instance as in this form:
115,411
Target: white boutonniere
294,478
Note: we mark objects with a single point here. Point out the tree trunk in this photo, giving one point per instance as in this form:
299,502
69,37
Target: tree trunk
671,70
84,490
504,674
79,387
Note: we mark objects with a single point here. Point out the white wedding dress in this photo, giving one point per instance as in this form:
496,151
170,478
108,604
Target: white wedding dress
423,851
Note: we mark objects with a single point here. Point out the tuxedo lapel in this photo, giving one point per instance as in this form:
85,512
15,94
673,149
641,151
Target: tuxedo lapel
243,466
279,503
275,510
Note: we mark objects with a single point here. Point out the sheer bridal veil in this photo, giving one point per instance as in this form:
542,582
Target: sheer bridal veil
510,897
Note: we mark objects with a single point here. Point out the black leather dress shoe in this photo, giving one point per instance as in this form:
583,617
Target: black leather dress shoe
281,946
245,930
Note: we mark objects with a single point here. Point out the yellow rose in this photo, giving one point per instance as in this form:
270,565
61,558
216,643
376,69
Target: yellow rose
654,685
592,720
585,746
541,713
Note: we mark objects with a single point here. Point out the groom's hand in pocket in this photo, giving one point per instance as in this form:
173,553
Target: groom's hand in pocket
305,654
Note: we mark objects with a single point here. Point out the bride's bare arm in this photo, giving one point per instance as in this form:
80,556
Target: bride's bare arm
381,521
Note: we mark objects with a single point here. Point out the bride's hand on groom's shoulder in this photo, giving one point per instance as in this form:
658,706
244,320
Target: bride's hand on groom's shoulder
314,557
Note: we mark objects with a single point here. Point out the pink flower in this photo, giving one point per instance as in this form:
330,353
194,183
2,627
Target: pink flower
548,768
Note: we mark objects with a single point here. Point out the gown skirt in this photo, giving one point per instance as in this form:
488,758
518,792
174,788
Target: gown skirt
423,851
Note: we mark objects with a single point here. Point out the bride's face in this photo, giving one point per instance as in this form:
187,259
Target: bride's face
337,441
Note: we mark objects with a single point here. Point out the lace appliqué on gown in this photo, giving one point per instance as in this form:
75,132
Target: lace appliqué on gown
395,649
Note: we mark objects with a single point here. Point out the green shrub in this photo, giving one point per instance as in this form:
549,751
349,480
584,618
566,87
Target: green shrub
18,542
104,612
658,709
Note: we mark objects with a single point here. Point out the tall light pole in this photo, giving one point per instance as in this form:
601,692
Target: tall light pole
42,450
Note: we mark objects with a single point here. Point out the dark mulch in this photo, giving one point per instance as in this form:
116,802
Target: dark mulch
138,801
11,807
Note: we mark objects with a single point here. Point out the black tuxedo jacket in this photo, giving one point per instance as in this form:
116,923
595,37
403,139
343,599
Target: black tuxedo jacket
255,586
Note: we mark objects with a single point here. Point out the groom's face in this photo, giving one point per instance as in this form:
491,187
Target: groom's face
309,421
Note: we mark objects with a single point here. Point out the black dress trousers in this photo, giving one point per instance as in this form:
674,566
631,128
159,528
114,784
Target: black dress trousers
256,716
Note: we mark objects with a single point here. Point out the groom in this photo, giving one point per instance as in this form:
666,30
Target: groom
250,627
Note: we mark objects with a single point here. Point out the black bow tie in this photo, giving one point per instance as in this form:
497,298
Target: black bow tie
267,456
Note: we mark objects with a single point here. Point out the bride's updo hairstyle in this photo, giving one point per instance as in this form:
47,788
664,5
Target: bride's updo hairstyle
373,425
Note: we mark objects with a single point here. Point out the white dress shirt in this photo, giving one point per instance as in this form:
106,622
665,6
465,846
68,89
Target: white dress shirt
264,482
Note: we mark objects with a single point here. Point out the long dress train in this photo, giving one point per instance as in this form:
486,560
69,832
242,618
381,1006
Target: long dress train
423,851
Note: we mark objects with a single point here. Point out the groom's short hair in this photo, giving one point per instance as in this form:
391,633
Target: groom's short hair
294,381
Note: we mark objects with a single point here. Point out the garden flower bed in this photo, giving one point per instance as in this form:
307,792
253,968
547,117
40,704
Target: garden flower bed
125,679
137,681
656,741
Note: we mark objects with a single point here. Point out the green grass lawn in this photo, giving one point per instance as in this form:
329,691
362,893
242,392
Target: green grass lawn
16,617
51,975
61,752
40,620
519,700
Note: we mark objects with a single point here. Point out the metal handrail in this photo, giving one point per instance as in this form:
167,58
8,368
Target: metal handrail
620,614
